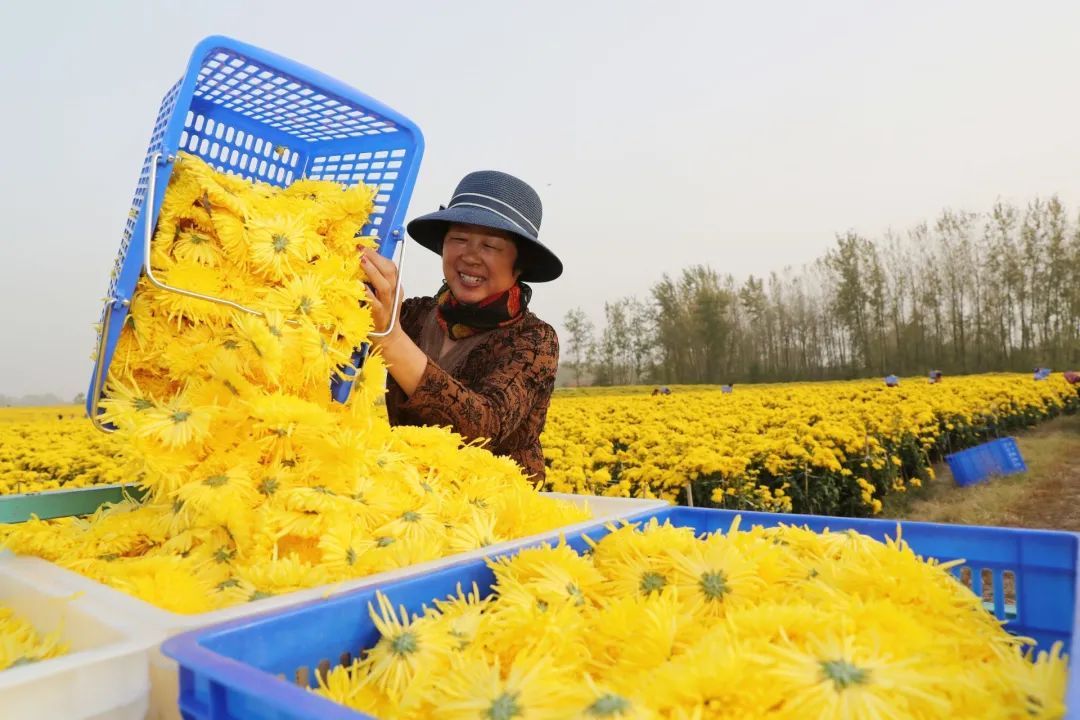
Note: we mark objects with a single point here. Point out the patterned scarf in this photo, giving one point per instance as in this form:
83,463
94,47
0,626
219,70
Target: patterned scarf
460,320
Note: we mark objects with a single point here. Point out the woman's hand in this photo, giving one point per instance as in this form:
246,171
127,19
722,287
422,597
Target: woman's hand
381,285
405,361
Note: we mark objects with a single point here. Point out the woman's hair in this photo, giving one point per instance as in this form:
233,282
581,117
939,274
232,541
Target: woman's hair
523,259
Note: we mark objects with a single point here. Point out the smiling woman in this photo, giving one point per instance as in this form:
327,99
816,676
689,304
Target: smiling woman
473,357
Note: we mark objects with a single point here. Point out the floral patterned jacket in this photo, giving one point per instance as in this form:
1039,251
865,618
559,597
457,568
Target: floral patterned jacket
496,384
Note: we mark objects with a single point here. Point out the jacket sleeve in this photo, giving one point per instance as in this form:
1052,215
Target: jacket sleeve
411,315
522,372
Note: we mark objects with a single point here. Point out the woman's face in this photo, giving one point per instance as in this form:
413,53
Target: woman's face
478,262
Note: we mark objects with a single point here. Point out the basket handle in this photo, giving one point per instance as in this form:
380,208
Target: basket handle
394,311
158,159
148,236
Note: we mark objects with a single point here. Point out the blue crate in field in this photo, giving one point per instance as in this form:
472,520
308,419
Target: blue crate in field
1008,457
236,670
264,117
976,464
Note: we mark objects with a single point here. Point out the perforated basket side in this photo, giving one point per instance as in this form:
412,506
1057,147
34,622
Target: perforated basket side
266,118
121,284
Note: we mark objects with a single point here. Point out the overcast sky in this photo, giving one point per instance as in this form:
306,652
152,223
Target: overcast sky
659,134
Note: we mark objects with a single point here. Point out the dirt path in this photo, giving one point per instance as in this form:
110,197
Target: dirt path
1047,496
1053,499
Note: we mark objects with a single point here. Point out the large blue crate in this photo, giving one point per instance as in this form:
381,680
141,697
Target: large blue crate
260,667
976,464
264,117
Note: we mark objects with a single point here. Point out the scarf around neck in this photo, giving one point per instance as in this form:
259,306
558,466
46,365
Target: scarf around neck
461,320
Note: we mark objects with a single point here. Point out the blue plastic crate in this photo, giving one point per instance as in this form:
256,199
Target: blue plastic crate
976,464
259,667
264,117
1007,456
970,466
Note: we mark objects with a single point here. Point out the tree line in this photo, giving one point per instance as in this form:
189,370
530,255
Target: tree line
968,292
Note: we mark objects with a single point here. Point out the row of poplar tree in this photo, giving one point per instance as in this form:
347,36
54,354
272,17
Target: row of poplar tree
970,292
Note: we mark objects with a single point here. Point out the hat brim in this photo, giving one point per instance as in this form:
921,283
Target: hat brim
541,264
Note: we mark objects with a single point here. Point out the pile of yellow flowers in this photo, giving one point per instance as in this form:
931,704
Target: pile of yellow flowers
260,484
828,448
658,623
53,448
20,643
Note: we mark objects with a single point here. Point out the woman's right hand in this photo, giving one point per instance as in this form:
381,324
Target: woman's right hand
404,360
382,281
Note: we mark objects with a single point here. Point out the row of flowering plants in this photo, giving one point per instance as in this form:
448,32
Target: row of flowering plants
824,448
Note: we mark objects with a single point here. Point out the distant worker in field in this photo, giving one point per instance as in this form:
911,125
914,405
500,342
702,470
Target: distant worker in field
473,356
662,390
1071,377
935,377
1041,373
892,381
726,389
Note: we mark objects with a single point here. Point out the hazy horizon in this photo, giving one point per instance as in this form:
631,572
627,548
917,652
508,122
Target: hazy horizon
659,135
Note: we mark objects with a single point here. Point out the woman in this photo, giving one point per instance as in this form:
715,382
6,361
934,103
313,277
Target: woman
473,357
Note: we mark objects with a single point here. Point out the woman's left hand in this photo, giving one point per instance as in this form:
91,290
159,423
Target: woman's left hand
382,282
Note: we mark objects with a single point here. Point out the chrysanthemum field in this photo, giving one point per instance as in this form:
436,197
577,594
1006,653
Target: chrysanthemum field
834,448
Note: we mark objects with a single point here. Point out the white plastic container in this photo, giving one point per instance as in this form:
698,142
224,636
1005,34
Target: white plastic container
105,673
151,621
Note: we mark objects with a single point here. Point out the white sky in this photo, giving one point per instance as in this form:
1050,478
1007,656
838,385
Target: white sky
659,134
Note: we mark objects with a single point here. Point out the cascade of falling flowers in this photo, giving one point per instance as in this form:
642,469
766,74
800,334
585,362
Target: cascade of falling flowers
657,623
258,482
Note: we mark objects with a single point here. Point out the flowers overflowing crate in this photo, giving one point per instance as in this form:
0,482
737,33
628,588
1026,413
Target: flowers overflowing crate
267,667
158,624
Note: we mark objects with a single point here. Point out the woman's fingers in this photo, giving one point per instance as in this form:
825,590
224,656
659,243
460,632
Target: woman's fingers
373,297
377,275
381,286
384,264
380,313
374,263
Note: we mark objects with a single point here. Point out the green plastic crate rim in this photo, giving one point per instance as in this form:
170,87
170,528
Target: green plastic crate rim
64,503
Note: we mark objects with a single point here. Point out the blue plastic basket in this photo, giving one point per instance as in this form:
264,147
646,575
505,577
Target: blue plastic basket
1008,457
262,116
260,667
976,464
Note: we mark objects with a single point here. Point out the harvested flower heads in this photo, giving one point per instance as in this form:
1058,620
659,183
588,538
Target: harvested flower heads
656,623
260,484
20,643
